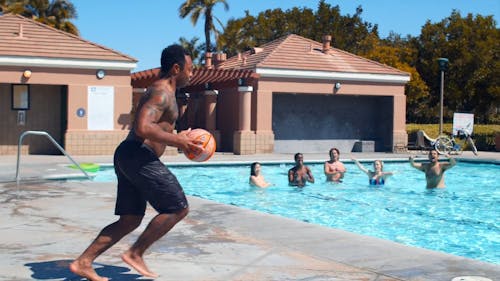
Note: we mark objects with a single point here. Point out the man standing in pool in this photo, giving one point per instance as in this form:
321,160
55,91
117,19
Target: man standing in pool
434,170
142,177
300,173
333,168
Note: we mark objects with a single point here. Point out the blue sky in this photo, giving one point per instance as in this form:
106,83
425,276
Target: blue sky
141,29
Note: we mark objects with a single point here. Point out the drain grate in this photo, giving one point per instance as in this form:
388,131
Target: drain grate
470,278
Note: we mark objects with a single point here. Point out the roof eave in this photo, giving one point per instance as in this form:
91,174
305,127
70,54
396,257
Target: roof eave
66,63
344,76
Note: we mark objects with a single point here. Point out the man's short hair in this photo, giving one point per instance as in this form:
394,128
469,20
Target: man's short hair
171,55
331,151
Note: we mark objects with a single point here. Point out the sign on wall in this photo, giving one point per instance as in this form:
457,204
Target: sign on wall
100,113
464,122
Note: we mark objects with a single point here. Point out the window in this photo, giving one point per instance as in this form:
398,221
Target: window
20,97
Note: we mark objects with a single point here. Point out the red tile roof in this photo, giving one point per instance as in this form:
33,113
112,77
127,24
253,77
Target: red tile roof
22,37
204,75
293,52
146,74
143,79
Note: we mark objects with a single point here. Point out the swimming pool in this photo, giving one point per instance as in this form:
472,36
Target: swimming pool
461,219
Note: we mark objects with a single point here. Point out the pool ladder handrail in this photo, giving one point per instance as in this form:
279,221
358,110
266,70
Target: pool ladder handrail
43,133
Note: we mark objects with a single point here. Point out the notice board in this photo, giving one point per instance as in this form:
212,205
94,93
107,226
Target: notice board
464,122
100,108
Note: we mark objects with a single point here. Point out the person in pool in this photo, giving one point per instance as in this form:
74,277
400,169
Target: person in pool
300,174
256,178
333,168
376,177
434,170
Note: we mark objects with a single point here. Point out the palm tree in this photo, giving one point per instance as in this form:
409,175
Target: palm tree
202,7
192,47
3,6
56,13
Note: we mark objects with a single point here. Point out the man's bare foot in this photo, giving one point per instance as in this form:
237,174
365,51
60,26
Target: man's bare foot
85,269
138,264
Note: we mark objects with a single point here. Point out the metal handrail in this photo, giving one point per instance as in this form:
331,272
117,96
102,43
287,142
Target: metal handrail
42,133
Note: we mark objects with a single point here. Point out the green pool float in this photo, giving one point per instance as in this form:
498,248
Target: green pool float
87,167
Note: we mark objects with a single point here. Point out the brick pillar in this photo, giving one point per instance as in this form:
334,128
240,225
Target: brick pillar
244,138
399,135
263,112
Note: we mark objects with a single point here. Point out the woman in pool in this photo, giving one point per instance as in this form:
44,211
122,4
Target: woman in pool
377,177
256,179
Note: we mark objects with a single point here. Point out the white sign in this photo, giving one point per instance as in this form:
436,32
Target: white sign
100,108
464,122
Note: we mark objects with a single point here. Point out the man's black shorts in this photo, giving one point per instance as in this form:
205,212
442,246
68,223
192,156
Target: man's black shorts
142,178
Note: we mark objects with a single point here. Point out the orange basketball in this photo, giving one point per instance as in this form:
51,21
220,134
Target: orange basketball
208,144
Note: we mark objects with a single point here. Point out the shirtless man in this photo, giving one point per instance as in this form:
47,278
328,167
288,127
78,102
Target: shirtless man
300,173
434,170
142,177
333,168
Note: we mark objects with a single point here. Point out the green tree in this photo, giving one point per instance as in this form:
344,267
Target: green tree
196,8
348,32
402,54
327,21
356,35
472,45
193,48
270,25
301,21
56,13
237,35
3,5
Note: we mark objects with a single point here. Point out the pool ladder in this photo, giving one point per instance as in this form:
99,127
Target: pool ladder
42,133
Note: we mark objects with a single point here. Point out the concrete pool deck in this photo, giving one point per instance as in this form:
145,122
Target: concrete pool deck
45,224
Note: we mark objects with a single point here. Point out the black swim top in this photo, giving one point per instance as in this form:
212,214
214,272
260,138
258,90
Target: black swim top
379,181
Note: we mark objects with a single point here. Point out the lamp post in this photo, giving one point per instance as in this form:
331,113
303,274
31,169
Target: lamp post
443,65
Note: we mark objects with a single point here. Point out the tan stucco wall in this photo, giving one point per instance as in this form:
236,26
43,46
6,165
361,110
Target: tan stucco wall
262,101
315,86
77,82
262,107
78,98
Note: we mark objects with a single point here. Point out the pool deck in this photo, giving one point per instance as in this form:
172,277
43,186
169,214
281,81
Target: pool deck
45,224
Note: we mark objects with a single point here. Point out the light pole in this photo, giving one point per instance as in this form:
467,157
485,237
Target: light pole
443,65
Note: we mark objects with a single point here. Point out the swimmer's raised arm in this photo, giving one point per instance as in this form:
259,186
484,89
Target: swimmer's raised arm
417,166
452,162
360,166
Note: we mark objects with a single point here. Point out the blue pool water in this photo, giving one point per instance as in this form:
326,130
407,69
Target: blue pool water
462,219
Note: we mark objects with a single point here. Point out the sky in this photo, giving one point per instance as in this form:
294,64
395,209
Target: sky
141,29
